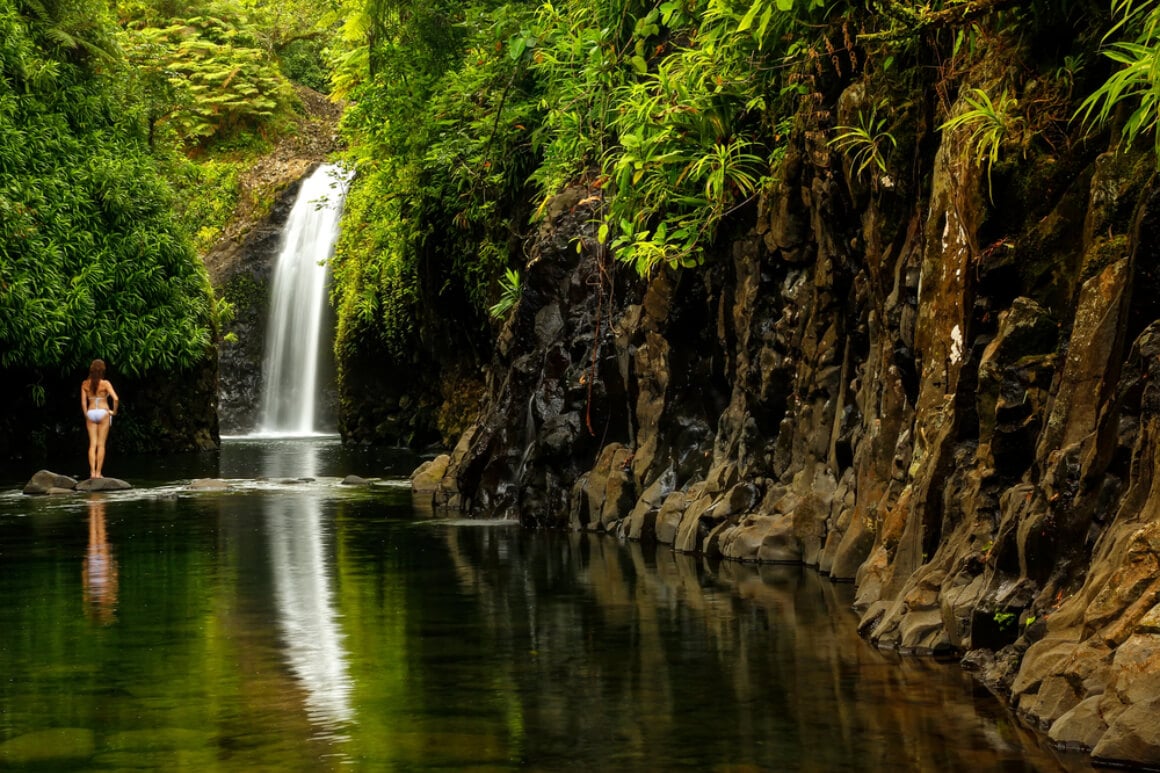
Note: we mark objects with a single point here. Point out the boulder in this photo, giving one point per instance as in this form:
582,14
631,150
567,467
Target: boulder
103,484
47,482
426,478
209,484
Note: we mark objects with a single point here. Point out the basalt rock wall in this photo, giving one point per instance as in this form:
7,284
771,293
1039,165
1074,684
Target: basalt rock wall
941,387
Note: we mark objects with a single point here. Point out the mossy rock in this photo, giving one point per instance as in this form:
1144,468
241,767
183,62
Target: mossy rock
55,745
159,739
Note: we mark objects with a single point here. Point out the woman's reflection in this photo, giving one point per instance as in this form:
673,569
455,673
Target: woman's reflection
99,570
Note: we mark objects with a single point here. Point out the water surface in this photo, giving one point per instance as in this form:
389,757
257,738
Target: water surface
302,625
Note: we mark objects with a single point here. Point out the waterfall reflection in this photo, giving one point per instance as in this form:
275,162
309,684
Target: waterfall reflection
306,612
99,569
295,458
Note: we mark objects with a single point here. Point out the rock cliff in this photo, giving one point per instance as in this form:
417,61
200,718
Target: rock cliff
940,387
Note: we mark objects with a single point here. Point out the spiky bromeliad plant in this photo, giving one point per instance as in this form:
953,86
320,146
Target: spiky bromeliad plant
989,123
865,144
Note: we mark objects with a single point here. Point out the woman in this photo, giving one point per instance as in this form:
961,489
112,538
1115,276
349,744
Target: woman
96,394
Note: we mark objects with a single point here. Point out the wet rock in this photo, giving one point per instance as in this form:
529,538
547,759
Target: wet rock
780,544
1132,737
47,482
428,476
355,480
672,511
209,484
934,394
1082,727
55,747
103,484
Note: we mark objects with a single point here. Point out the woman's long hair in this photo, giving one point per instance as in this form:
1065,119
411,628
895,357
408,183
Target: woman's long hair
96,373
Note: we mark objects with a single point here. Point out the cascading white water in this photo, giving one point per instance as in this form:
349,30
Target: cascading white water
298,305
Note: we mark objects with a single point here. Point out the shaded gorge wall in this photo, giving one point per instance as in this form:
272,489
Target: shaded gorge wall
937,384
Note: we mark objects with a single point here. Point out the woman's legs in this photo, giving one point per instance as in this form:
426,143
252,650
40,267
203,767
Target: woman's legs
93,428
102,435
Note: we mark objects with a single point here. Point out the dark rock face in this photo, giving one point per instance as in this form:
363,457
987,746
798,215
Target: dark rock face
558,388
964,428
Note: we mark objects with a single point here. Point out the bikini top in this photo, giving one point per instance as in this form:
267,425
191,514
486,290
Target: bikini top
98,399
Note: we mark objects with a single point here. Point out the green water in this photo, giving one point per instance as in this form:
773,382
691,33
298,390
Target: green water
310,626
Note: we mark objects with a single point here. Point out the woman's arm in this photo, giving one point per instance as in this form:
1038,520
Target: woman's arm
116,401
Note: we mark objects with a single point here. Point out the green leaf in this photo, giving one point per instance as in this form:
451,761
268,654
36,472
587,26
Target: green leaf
750,15
516,47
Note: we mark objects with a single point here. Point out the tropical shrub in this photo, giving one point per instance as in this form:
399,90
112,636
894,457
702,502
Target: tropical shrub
92,262
1135,84
677,113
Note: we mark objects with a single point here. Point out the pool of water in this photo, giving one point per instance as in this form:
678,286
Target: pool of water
312,626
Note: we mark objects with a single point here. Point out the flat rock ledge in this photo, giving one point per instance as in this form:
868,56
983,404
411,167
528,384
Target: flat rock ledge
46,482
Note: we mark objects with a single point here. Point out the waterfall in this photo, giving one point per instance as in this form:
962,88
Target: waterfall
298,305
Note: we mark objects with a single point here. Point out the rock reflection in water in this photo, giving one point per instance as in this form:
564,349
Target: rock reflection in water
633,651
306,613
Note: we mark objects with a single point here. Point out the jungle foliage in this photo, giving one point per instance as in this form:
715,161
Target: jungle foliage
104,113
217,81
216,71
674,114
92,260
466,118
440,130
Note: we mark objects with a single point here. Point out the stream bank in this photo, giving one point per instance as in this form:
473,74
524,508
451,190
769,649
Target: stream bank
947,401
